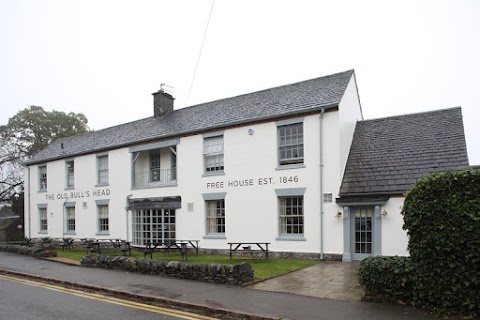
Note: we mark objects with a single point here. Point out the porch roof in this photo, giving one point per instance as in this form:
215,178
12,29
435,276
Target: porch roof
155,203
389,155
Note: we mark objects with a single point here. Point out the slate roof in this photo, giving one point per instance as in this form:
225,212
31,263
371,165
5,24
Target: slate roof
289,100
388,155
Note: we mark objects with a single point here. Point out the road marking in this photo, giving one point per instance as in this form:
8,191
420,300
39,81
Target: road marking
102,298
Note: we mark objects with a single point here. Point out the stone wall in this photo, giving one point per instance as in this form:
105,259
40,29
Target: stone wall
219,273
38,252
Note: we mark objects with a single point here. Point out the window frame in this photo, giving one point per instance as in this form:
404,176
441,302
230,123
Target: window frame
70,174
153,225
215,217
42,178
291,210
216,168
103,174
70,210
211,198
42,218
103,221
282,195
284,146
154,165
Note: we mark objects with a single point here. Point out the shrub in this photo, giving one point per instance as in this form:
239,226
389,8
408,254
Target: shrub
442,218
387,277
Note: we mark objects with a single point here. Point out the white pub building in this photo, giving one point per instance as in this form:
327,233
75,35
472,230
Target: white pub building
295,166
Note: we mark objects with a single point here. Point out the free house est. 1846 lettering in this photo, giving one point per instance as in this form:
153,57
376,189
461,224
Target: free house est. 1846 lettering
78,194
252,182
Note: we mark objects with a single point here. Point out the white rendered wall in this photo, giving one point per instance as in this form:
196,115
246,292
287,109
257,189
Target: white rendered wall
394,238
350,112
332,226
84,194
251,211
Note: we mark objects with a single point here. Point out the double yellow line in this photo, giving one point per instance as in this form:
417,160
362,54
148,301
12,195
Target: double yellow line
102,298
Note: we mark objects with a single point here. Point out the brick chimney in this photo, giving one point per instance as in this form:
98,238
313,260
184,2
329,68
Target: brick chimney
162,103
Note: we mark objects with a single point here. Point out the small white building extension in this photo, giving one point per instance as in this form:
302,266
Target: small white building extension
295,166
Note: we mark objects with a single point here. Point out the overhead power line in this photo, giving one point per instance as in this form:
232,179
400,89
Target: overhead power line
200,53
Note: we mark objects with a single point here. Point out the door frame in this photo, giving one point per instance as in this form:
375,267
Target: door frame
360,256
349,229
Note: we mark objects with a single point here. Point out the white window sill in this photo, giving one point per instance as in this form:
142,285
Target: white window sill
290,166
215,173
291,238
155,186
70,188
43,232
105,184
42,191
214,236
102,233
71,233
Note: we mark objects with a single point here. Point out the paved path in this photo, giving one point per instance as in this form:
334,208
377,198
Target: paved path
271,305
328,279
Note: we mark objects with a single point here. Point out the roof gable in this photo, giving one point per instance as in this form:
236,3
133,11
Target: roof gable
389,155
288,100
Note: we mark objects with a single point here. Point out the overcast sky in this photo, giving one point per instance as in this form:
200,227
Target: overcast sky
105,58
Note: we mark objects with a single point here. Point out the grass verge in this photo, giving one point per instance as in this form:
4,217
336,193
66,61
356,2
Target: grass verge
263,268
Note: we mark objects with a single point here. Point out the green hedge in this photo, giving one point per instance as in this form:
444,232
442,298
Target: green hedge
387,278
442,218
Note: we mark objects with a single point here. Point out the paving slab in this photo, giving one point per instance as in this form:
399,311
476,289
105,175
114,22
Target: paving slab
328,279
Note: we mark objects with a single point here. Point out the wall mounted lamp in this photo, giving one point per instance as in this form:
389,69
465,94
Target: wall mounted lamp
338,215
384,213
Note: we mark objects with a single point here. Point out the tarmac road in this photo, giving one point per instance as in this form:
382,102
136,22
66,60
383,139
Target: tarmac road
215,297
26,299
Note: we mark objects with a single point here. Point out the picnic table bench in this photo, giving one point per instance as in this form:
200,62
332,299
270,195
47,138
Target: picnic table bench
27,242
46,241
178,244
150,248
263,246
167,246
121,245
91,245
67,243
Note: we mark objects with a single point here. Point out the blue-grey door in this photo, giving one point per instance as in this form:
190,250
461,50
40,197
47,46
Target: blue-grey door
362,232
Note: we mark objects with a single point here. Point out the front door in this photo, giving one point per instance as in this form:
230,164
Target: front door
362,232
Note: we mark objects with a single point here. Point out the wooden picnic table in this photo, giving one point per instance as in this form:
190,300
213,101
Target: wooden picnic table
27,242
46,241
91,245
167,246
67,243
121,245
177,244
261,245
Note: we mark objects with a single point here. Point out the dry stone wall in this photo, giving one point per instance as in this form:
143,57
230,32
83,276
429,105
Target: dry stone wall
238,274
38,252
